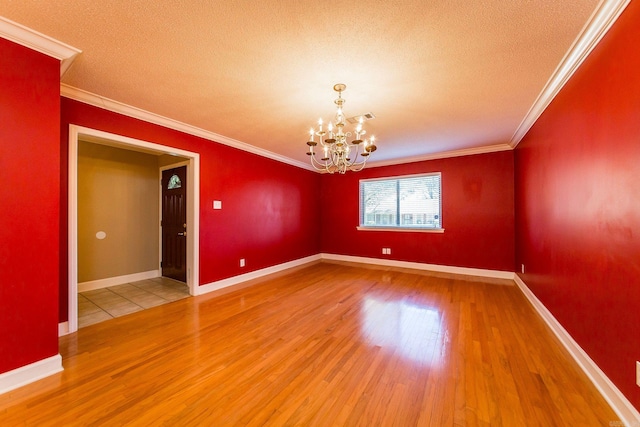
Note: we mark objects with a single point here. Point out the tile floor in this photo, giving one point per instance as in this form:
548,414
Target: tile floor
106,303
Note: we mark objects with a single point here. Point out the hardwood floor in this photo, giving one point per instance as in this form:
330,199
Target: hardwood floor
323,345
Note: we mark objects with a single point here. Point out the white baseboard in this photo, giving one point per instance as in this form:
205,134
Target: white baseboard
30,373
235,280
118,280
63,328
495,274
619,403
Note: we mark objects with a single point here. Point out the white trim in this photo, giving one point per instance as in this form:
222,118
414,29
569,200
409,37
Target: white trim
29,373
496,274
600,22
72,230
117,280
220,284
625,410
193,206
137,113
63,328
130,111
39,42
235,280
401,229
443,155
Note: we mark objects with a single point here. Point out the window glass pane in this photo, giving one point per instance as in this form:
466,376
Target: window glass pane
379,202
174,182
420,201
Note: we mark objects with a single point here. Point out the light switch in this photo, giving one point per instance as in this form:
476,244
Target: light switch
217,204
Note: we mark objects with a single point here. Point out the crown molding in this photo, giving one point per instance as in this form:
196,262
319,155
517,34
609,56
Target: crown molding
137,113
39,42
600,22
443,155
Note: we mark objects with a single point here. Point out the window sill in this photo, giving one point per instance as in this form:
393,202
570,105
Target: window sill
405,229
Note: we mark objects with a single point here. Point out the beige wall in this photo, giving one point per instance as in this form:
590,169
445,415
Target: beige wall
118,194
167,160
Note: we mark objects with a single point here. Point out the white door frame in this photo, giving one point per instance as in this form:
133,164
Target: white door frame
193,205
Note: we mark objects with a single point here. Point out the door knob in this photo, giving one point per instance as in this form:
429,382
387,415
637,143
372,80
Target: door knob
182,234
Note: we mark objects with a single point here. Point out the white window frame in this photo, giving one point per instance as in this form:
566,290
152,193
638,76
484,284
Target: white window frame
399,226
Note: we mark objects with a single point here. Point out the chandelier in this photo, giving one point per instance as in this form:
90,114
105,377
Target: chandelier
338,154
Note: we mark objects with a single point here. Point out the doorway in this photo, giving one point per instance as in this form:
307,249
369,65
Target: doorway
191,207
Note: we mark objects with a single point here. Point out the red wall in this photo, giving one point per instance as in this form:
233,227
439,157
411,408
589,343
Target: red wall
477,215
269,209
578,204
30,165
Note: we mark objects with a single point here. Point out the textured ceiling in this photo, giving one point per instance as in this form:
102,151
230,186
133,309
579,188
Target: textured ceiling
438,75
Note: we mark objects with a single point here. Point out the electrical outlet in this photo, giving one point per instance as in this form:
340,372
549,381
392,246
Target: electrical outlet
388,251
241,262
638,373
384,251
522,268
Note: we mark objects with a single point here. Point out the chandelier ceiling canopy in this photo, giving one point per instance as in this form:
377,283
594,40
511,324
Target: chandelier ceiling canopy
339,153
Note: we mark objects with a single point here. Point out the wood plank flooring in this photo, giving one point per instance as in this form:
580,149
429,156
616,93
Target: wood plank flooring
324,345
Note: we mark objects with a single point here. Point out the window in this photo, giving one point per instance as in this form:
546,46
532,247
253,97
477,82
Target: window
174,182
410,202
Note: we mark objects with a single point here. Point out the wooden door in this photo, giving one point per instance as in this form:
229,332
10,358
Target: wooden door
174,223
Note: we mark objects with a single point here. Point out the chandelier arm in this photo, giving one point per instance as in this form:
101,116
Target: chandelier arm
317,168
360,166
357,152
356,167
320,166
357,163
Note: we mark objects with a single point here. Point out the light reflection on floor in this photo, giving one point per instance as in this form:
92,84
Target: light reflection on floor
413,331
